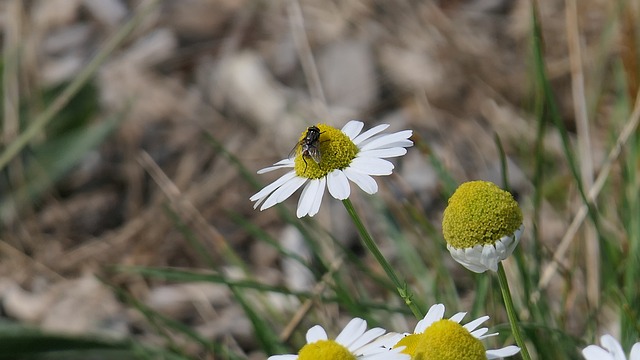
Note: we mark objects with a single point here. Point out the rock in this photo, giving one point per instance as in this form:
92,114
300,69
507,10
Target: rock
47,14
243,82
347,74
108,12
178,300
296,276
80,306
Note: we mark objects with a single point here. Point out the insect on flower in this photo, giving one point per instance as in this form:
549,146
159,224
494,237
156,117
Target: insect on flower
348,154
309,146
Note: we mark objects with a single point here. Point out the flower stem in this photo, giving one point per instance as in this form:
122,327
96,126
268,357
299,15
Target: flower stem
403,291
511,312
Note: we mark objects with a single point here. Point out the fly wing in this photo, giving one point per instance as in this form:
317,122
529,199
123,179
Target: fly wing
314,152
294,151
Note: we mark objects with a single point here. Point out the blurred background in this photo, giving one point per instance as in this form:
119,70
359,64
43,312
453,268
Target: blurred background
132,130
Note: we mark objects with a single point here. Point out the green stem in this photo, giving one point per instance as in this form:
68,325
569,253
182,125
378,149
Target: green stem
511,312
403,291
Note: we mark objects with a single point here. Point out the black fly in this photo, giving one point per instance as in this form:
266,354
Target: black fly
309,146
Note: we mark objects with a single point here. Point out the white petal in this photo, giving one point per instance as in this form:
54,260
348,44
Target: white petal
283,357
593,352
458,317
280,164
354,329
505,351
469,258
610,343
435,313
386,341
276,184
317,200
475,323
384,141
483,336
479,332
352,128
372,166
393,354
364,181
501,247
366,338
402,143
283,192
369,133
383,153
316,333
635,352
307,198
338,185
489,258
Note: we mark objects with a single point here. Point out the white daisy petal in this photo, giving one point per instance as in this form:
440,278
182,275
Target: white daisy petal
372,166
369,133
366,338
279,165
393,354
364,181
635,352
307,198
338,185
475,323
283,357
316,333
352,128
401,143
593,352
489,258
385,341
354,329
274,185
610,343
479,333
468,257
385,140
383,153
458,317
317,200
505,351
435,313
283,192
501,248
484,336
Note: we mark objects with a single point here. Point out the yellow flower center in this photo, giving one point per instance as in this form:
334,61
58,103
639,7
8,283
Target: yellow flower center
325,350
479,213
443,340
335,149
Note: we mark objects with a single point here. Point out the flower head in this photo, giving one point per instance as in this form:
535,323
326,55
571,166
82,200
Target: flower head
331,157
610,350
482,225
436,338
353,343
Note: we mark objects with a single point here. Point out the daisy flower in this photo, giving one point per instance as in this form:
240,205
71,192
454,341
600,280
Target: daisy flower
331,160
437,338
482,225
610,350
353,343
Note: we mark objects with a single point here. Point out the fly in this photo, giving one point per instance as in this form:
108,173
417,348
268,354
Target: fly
309,146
